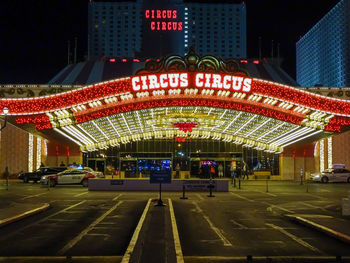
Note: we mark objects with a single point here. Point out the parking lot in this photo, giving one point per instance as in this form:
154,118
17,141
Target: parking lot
248,222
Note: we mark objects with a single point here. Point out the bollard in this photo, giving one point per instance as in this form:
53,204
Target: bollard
234,182
307,185
211,186
183,192
239,183
267,185
7,183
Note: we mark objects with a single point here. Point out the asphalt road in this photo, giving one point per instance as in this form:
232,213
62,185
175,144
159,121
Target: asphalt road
246,221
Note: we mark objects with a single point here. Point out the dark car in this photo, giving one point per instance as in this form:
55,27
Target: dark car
36,175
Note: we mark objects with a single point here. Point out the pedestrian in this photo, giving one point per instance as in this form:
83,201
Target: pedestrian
221,170
212,171
245,170
6,174
62,164
233,170
177,169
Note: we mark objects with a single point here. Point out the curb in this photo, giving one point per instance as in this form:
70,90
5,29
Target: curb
330,232
24,215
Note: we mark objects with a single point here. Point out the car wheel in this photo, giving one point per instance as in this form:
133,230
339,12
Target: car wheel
25,180
85,183
324,179
52,183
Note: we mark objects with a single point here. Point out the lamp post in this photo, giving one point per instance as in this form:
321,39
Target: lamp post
5,111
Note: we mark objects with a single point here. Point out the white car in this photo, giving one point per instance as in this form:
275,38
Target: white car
332,175
70,176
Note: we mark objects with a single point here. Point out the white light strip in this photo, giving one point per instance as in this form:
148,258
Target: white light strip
322,155
330,152
90,136
251,119
73,140
114,128
126,123
302,138
30,152
72,128
288,132
38,152
232,121
261,125
75,135
195,110
293,136
268,132
138,117
100,130
222,115
210,111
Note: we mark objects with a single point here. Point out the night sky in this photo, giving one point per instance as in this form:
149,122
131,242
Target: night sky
34,33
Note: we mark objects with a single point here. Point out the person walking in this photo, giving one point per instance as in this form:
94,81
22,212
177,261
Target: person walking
177,169
212,171
6,176
245,170
221,170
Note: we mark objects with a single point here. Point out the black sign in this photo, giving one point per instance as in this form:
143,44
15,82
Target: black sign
163,177
117,182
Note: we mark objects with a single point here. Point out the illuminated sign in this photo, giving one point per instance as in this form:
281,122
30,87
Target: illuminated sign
163,20
200,80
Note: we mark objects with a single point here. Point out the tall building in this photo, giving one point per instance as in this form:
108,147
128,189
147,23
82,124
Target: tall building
153,28
323,53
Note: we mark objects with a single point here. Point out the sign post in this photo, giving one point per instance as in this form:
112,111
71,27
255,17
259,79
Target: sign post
159,177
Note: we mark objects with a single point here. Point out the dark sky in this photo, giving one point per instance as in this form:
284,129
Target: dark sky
34,33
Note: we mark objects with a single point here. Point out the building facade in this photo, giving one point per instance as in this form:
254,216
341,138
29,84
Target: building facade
148,29
323,53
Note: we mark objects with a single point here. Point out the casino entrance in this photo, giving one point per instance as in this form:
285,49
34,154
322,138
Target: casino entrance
195,157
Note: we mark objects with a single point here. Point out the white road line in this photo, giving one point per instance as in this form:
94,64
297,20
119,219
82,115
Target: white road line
30,196
83,193
177,243
200,197
262,192
75,240
313,206
130,249
242,197
295,238
238,224
213,227
46,218
117,197
278,207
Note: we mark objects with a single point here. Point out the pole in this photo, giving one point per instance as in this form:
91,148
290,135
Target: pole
239,182
7,183
160,202
48,183
183,191
267,186
307,185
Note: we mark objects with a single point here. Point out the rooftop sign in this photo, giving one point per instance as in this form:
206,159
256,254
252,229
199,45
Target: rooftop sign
163,20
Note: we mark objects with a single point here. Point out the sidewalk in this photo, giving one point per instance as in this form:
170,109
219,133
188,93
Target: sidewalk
338,228
14,211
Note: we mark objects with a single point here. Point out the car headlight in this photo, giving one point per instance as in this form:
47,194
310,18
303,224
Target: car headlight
317,176
44,177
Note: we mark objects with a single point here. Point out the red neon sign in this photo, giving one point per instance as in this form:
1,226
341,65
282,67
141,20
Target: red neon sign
160,20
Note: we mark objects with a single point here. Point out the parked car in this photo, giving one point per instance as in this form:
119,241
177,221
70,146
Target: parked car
332,175
71,176
36,175
90,170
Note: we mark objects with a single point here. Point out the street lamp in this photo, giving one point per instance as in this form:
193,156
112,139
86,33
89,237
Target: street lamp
5,112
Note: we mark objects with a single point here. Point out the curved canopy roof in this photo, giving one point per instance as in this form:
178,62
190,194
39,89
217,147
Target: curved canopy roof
184,97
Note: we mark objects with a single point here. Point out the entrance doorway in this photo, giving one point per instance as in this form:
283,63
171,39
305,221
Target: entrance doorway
98,164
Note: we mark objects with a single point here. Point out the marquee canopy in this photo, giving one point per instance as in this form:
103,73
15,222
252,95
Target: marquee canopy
184,97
